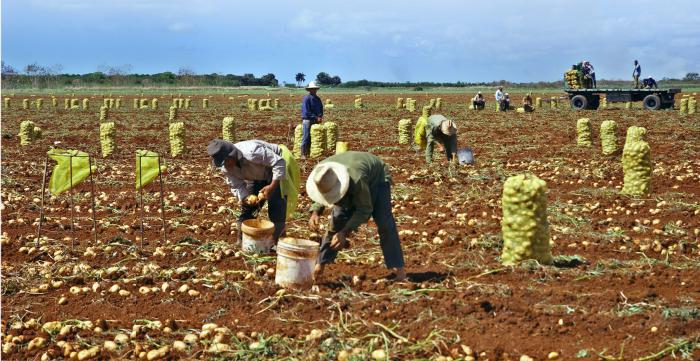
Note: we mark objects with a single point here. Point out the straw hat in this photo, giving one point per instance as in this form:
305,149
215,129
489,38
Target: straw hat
328,183
313,85
448,127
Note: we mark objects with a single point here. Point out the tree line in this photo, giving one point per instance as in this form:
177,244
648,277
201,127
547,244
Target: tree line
39,76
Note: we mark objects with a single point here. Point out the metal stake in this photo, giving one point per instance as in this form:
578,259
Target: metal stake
72,225
92,194
41,210
162,202
141,201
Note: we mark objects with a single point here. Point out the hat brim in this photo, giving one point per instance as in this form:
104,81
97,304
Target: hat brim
317,87
328,199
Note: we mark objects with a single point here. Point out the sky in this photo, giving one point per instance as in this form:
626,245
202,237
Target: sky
385,40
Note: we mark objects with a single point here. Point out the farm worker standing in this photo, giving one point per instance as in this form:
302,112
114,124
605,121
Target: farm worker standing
590,72
506,102
443,131
311,113
499,98
478,102
649,83
527,103
257,171
356,185
636,73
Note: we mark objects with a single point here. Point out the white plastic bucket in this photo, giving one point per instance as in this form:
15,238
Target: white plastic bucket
257,236
296,259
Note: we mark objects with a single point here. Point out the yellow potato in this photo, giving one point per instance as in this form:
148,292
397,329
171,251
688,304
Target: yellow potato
251,200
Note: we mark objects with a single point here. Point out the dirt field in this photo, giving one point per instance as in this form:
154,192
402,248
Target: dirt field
626,284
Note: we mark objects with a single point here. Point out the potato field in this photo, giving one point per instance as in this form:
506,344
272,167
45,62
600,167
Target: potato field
623,283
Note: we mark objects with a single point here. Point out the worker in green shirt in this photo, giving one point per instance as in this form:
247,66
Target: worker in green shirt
356,185
443,131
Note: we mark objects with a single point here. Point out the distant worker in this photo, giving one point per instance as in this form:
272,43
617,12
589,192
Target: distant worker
636,73
478,102
589,71
311,113
355,185
499,98
527,103
649,83
506,102
256,172
443,131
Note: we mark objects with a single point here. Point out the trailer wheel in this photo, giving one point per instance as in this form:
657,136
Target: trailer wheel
579,102
652,102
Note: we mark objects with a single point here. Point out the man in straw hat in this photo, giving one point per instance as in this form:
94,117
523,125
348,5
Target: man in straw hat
356,185
257,171
444,131
311,113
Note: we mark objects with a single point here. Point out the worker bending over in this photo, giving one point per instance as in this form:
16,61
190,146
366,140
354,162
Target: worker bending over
527,103
478,102
355,185
443,131
649,83
257,171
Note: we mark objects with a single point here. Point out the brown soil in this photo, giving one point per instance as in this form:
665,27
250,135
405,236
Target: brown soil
632,276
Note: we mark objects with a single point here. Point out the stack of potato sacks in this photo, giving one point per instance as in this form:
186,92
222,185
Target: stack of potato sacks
28,132
358,103
608,137
404,131
331,135
524,226
636,163
318,140
177,138
572,79
583,130
228,131
107,143
298,133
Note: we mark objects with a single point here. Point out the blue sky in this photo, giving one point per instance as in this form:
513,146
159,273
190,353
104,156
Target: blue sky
379,40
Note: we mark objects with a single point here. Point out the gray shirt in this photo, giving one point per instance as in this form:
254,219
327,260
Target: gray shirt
261,161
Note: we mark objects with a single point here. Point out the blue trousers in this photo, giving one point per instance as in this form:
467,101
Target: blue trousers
306,136
388,234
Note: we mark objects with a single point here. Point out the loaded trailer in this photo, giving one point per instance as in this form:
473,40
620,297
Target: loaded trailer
652,99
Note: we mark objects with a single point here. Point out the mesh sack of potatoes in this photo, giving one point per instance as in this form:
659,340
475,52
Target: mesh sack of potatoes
583,132
107,143
524,226
177,138
404,131
318,140
608,137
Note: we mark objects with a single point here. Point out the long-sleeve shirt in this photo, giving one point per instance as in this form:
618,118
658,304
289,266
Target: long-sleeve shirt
311,107
499,95
435,134
637,70
261,161
366,172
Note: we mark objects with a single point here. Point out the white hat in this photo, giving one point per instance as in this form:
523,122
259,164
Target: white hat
313,85
328,183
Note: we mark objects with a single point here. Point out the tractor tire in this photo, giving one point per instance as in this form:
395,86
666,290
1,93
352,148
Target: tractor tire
652,102
579,102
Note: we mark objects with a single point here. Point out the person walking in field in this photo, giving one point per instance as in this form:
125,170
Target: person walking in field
444,132
478,102
256,172
311,113
355,185
499,98
636,73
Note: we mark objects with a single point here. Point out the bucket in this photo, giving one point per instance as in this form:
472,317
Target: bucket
257,236
296,259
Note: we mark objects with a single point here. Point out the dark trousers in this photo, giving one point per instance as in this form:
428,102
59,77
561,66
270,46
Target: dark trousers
528,108
388,234
478,104
504,105
306,136
276,208
449,142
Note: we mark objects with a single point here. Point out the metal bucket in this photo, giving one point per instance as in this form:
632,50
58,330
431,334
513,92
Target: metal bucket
257,236
296,259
